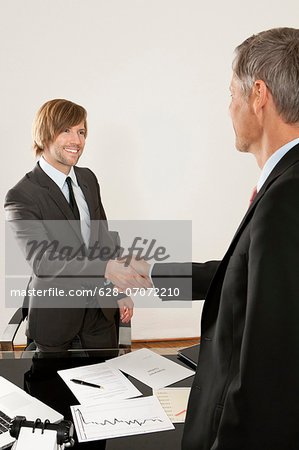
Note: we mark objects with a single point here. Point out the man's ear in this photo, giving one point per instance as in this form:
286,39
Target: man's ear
260,96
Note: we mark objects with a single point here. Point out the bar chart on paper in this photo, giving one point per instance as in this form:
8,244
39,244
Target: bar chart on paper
124,418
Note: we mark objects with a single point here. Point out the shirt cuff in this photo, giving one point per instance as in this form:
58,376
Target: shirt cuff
150,273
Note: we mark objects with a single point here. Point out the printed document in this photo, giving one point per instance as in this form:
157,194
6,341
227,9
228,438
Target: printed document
152,369
114,384
124,418
174,402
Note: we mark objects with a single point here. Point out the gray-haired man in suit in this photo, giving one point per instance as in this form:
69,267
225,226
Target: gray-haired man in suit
246,390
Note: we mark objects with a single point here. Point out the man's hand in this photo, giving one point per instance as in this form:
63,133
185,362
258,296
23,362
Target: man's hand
125,277
126,306
141,266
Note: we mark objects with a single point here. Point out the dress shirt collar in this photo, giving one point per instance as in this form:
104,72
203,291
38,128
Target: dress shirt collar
273,160
55,174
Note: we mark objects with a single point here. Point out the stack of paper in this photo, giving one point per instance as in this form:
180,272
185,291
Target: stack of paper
107,408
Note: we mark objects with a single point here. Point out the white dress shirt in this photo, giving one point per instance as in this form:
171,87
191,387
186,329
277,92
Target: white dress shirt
60,179
274,160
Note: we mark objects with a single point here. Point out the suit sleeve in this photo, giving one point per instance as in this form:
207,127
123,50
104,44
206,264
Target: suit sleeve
261,410
191,280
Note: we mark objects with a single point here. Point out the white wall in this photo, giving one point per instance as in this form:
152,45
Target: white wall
153,76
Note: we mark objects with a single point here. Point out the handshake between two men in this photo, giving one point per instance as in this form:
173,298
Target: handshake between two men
169,280
129,273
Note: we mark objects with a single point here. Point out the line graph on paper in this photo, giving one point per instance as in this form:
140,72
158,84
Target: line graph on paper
116,421
124,418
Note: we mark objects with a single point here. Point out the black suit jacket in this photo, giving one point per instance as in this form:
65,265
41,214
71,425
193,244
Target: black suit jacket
245,394
38,210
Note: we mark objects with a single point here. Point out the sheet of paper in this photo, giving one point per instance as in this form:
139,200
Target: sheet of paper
28,440
115,385
124,418
150,368
174,401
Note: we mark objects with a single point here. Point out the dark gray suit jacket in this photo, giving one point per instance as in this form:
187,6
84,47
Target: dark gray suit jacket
245,394
38,210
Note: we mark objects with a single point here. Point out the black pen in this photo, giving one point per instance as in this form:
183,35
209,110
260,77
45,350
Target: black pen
85,383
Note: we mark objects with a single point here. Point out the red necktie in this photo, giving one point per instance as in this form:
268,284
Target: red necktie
253,195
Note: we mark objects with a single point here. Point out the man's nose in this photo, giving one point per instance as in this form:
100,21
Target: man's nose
75,138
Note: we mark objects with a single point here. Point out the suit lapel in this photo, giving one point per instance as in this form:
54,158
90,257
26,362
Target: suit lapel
98,225
57,196
89,196
91,201
285,163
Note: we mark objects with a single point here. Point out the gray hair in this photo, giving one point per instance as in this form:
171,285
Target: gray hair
273,57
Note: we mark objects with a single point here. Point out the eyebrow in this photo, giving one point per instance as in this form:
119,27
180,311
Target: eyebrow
74,126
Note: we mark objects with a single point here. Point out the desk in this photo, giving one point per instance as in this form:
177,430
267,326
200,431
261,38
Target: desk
37,374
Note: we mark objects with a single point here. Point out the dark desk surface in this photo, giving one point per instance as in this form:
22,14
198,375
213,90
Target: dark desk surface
38,376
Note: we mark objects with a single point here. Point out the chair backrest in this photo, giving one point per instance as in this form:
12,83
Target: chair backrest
9,334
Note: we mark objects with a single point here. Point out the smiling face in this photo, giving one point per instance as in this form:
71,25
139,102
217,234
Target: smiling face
66,149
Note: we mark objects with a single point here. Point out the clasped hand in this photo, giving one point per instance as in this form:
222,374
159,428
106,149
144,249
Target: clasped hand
124,276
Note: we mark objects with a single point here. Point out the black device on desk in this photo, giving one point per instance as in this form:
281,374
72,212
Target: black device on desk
190,355
64,429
